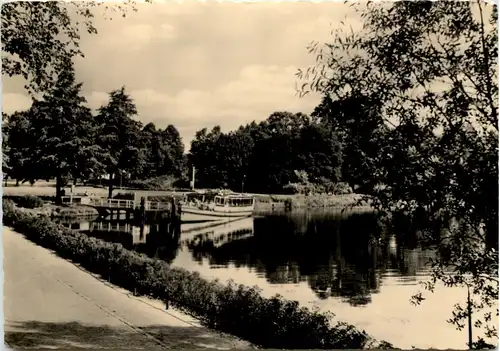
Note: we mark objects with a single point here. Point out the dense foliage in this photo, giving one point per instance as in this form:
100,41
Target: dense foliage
430,68
155,183
267,156
241,311
26,201
55,137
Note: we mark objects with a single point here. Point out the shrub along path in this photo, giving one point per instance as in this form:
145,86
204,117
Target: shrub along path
49,302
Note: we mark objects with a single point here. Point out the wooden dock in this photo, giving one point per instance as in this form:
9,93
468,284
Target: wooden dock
130,204
137,208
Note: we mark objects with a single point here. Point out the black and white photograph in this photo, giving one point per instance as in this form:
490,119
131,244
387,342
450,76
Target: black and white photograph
242,175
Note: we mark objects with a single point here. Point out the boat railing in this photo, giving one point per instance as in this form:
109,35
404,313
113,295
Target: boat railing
113,203
121,203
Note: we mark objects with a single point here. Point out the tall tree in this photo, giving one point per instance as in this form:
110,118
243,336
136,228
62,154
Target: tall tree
360,130
433,68
164,151
320,153
204,156
153,155
275,155
120,137
173,150
17,144
62,130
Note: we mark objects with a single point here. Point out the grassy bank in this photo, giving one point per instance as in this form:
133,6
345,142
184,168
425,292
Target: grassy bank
44,206
72,211
333,201
311,201
46,190
238,310
263,201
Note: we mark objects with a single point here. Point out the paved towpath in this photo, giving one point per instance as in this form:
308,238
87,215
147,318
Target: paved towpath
49,302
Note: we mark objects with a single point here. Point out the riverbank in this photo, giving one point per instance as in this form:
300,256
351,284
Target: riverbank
42,188
50,302
55,211
238,310
293,202
41,206
263,201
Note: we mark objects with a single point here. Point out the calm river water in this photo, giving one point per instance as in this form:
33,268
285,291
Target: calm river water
346,264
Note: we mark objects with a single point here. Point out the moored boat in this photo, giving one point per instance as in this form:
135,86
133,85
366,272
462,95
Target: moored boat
202,207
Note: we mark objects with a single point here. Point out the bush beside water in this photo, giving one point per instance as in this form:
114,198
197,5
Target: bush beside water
319,201
324,187
311,201
26,201
238,310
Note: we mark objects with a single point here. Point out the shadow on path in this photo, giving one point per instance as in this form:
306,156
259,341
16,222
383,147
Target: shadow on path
33,334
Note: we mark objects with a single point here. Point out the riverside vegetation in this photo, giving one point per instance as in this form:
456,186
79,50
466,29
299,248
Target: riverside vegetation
28,201
239,310
44,205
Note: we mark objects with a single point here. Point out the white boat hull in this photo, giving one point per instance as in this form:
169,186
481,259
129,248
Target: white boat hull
197,215
192,219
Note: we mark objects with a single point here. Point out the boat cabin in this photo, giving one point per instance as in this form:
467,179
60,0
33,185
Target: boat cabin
234,201
218,202
199,197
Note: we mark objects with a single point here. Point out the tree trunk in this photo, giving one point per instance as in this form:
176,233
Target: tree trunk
110,189
491,235
469,317
75,181
58,190
17,182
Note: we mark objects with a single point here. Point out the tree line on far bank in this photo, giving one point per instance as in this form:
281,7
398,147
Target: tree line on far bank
59,137
328,151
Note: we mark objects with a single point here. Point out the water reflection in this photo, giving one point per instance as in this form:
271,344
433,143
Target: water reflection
201,241
347,264
156,239
343,257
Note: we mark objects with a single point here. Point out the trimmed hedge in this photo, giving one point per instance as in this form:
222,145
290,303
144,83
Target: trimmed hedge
238,310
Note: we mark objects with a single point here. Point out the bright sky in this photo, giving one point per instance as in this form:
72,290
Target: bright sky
195,65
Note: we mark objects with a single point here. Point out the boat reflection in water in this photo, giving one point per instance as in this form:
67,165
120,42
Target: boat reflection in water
137,232
162,240
159,239
219,235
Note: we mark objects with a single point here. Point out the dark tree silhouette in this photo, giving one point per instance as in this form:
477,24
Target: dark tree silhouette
431,68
